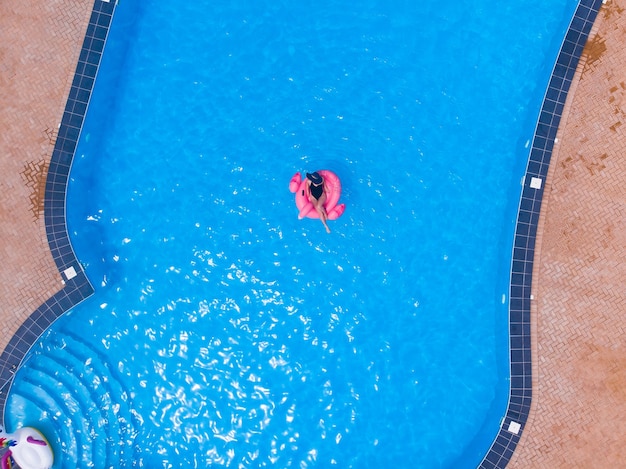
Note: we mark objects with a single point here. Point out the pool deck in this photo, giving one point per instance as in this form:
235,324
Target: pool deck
39,47
578,411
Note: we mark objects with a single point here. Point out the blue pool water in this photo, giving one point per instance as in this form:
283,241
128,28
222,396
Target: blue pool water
226,331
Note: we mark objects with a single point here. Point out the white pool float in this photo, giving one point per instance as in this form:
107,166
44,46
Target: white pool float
27,447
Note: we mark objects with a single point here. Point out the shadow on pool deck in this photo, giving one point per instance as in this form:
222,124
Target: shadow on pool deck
579,369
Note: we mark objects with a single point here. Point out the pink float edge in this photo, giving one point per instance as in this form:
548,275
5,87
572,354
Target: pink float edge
297,185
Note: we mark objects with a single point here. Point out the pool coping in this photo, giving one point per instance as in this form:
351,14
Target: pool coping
520,297
77,286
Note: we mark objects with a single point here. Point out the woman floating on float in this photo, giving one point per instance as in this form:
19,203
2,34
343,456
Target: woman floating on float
27,448
317,195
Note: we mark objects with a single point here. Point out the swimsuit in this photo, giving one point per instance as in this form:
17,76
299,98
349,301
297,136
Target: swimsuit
317,190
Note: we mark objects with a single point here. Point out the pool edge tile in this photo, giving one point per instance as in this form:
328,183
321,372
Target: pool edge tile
77,288
520,391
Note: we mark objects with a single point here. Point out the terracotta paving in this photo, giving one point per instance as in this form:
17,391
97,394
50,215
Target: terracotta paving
578,413
578,418
39,46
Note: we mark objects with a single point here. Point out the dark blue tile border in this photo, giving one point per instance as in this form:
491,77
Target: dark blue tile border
77,286
520,394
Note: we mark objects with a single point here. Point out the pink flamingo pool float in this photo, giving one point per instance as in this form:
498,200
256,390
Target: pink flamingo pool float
332,186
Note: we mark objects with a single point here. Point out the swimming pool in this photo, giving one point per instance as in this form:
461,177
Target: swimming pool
358,328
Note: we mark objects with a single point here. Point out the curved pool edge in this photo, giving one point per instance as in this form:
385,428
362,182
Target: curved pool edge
77,286
520,334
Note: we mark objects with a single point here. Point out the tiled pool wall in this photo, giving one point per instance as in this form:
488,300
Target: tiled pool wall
520,395
77,286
